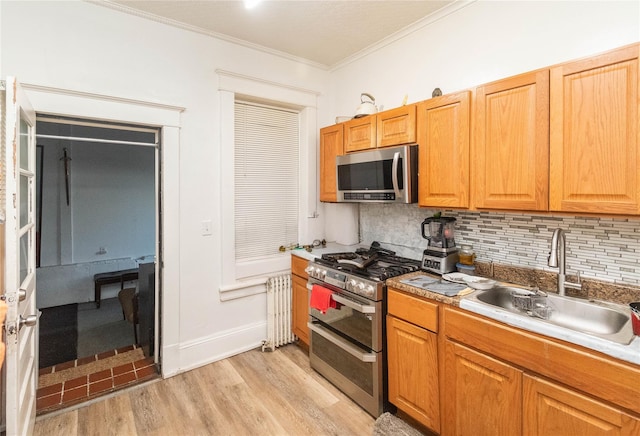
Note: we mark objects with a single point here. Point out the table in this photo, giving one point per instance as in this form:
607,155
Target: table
108,278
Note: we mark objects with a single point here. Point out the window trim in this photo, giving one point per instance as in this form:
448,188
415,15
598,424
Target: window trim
242,279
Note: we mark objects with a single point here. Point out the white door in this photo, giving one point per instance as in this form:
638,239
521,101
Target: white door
21,335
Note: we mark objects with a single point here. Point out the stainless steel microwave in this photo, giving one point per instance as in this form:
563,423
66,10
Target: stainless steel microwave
384,175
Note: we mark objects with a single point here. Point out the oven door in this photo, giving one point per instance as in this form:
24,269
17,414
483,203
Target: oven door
355,318
357,372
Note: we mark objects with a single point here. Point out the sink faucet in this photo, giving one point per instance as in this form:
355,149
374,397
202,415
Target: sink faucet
557,259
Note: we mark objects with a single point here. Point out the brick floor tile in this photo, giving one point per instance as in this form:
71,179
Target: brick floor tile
146,372
106,354
86,360
49,390
142,363
75,383
125,349
74,394
65,365
124,379
101,386
127,367
47,370
100,375
49,401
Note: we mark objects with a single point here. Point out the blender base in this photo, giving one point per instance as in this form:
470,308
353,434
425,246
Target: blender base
439,262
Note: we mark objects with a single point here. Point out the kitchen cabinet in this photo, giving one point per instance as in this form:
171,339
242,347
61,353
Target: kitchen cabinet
412,357
384,129
331,145
482,396
511,149
443,125
595,139
300,299
500,377
550,409
360,134
396,126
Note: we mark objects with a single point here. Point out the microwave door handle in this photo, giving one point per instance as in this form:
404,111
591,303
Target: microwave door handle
352,304
355,352
394,175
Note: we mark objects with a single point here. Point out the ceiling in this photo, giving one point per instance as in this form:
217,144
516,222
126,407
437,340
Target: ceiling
325,33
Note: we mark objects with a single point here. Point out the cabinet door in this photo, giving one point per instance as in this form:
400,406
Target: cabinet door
331,145
360,134
595,146
443,138
396,126
300,303
412,359
511,150
553,410
483,396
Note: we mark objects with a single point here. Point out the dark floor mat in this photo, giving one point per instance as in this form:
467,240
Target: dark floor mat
58,335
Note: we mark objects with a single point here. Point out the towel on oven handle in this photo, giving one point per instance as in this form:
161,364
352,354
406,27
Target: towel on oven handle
322,300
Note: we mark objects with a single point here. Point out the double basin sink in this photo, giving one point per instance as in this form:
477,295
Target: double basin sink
603,320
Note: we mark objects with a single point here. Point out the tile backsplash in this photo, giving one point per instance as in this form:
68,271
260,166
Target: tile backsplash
606,249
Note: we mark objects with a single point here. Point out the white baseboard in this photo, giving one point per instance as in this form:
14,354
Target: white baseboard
193,354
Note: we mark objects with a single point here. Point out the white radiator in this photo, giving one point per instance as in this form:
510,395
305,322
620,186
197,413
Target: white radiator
279,318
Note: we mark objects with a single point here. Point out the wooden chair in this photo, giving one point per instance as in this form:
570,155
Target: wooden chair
129,301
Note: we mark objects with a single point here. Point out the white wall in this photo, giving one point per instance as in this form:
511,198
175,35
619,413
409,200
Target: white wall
88,48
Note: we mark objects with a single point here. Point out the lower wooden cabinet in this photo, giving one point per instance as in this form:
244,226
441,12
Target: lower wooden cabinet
300,299
499,380
413,371
412,357
482,395
550,409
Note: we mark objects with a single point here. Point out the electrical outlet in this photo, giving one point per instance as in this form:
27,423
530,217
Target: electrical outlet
206,228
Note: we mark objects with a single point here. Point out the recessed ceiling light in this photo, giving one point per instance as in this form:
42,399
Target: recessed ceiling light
250,4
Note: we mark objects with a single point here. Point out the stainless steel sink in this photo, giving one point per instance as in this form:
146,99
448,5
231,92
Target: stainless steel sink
604,320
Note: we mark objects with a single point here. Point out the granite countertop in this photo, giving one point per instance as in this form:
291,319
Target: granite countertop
396,282
628,353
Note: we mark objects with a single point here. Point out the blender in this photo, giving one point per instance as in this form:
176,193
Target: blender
441,254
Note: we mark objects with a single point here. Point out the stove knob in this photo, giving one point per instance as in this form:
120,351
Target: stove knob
351,285
308,270
361,286
369,290
322,273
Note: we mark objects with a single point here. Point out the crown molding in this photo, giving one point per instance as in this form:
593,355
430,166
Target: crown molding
169,22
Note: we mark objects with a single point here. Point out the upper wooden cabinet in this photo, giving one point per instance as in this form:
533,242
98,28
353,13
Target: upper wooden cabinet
511,149
594,143
384,129
360,134
443,125
396,126
331,145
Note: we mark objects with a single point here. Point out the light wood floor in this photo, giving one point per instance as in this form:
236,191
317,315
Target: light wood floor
253,393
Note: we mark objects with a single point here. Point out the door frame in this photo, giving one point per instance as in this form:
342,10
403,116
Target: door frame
71,103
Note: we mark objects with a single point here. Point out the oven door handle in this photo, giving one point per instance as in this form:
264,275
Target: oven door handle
354,351
362,308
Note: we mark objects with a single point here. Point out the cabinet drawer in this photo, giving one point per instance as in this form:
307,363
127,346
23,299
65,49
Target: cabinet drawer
298,265
413,309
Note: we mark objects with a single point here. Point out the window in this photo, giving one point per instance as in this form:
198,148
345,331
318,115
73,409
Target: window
266,179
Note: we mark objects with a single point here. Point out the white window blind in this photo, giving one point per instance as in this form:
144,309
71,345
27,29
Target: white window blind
266,179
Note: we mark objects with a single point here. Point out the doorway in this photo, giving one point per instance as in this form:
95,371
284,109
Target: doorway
97,233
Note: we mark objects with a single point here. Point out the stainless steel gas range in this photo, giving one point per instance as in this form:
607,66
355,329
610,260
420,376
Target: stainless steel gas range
347,337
